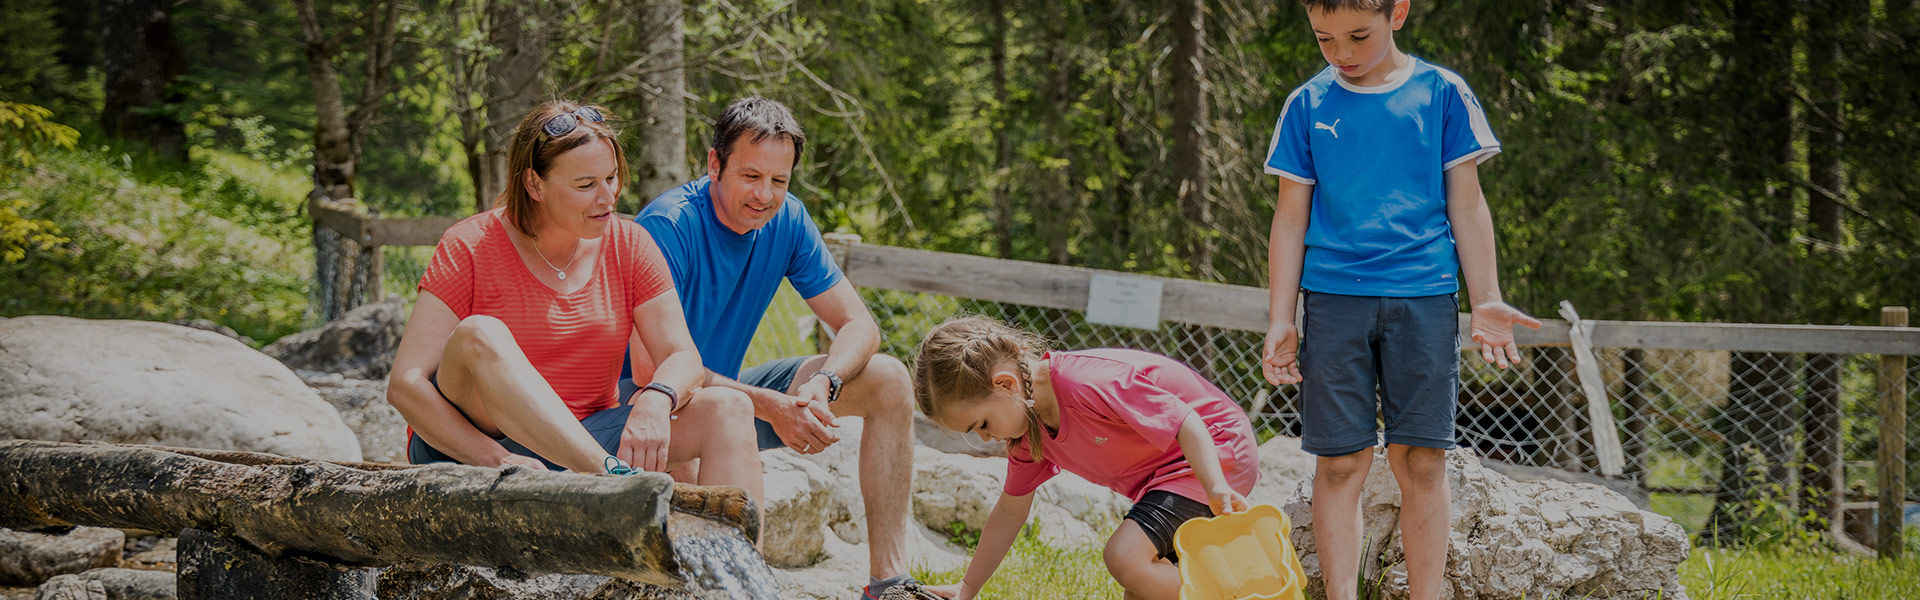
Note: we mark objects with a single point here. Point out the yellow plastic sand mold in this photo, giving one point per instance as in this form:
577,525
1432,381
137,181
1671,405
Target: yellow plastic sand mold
1241,556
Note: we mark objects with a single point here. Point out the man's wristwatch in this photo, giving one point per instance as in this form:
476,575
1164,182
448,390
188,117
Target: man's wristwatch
673,398
833,384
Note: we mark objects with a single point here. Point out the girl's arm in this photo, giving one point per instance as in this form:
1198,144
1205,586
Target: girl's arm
1198,446
1003,526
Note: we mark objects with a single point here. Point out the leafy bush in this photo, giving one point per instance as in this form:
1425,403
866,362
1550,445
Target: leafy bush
219,240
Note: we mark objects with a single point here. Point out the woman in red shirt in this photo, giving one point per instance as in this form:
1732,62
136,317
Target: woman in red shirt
512,353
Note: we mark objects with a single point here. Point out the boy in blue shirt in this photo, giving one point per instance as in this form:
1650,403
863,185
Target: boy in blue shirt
1379,208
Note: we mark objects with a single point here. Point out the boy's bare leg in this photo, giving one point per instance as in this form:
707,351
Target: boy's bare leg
1337,483
1424,516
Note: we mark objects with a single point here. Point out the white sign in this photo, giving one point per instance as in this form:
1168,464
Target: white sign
1124,301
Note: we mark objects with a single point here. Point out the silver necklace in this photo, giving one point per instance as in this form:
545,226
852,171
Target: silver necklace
560,272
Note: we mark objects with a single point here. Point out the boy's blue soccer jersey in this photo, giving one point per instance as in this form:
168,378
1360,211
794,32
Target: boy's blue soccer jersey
1377,158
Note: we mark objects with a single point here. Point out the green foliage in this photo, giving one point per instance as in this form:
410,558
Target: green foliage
959,534
23,128
222,243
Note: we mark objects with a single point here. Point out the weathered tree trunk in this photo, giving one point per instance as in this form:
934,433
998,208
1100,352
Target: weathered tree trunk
141,60
1192,181
216,568
1633,371
1193,184
1757,424
531,521
661,128
1758,417
344,270
516,80
1063,193
1002,134
1821,480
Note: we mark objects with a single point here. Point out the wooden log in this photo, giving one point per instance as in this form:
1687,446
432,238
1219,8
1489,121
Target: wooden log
531,521
216,568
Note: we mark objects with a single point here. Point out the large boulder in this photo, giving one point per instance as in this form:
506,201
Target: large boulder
32,558
793,516
139,382
116,584
358,345
363,406
1510,539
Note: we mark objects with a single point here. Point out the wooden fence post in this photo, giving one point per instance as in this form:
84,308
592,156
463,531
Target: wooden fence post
1893,442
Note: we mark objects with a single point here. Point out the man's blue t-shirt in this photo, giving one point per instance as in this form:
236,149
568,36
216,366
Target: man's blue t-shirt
727,280
1377,158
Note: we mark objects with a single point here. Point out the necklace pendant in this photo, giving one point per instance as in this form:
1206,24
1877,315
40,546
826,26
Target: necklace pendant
560,274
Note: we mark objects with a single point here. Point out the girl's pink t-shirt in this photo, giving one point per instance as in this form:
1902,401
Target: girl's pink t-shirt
1120,415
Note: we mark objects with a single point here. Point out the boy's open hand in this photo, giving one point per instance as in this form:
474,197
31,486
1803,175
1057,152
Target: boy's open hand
1280,360
1492,328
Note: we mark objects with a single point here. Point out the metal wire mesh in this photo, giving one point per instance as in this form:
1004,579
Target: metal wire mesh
1691,423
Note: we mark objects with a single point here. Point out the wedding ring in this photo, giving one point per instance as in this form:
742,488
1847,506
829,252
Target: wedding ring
807,448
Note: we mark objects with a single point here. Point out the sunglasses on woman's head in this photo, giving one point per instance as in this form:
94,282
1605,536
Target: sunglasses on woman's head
566,122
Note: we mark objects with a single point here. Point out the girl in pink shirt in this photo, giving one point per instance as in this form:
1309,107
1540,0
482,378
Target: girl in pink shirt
1139,423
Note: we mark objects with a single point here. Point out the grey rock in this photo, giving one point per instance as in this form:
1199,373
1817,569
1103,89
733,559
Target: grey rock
357,345
1631,491
452,582
131,584
140,382
799,495
32,558
206,325
68,587
362,404
1510,539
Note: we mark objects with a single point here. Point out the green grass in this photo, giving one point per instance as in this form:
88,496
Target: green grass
1757,574
1037,570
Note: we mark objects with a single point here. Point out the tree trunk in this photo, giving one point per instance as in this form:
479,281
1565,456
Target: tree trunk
1002,135
1061,216
531,521
1757,426
516,80
1190,173
141,60
661,128
1757,419
1821,474
1633,372
1828,22
345,271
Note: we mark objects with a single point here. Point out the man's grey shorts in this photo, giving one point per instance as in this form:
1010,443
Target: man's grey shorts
1405,349
776,375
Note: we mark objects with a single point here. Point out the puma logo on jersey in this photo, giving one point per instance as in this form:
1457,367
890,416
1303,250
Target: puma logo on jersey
1329,128
1097,440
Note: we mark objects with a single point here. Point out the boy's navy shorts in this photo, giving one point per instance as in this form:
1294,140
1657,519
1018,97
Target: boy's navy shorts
1405,349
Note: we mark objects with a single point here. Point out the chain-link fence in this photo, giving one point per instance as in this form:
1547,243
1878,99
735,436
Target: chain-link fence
1692,425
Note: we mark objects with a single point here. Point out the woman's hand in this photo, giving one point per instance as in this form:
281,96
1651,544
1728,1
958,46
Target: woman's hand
529,462
643,443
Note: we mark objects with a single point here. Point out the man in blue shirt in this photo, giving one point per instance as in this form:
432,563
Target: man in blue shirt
730,238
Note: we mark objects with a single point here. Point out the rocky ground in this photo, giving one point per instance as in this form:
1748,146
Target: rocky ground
324,399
